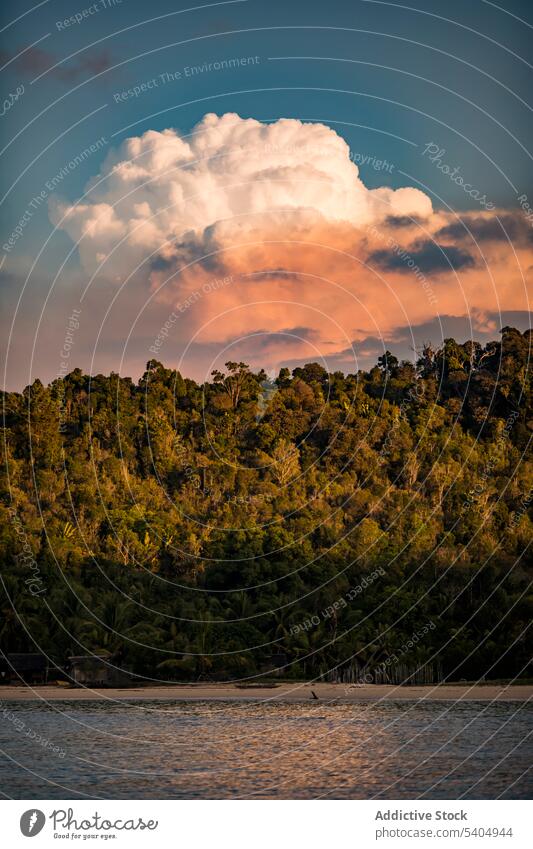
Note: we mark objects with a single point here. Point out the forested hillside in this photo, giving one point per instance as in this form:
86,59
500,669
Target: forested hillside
317,519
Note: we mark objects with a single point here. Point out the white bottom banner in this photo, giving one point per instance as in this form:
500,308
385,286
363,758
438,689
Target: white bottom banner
267,824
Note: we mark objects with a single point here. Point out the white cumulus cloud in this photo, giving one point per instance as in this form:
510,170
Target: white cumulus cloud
160,191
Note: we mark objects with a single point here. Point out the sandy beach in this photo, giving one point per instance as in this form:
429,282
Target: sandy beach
286,692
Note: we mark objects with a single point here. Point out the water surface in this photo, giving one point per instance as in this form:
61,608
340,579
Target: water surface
179,750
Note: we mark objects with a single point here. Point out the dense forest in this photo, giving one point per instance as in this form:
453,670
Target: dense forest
311,523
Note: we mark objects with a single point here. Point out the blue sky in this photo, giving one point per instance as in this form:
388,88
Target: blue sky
393,101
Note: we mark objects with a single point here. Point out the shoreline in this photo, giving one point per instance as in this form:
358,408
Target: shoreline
296,692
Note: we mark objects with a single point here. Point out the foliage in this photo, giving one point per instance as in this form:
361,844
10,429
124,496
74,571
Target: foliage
171,522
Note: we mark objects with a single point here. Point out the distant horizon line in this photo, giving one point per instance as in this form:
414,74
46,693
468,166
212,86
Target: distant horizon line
254,369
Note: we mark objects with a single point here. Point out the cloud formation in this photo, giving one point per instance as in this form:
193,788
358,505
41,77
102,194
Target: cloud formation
428,256
160,188
281,209
35,61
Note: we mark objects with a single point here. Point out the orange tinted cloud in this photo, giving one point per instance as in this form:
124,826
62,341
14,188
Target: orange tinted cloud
266,232
340,282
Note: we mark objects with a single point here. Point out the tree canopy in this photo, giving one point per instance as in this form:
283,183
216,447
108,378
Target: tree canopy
203,530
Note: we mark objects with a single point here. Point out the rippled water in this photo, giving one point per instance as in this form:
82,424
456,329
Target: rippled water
154,749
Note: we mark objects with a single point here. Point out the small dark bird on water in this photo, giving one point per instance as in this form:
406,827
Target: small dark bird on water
313,694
